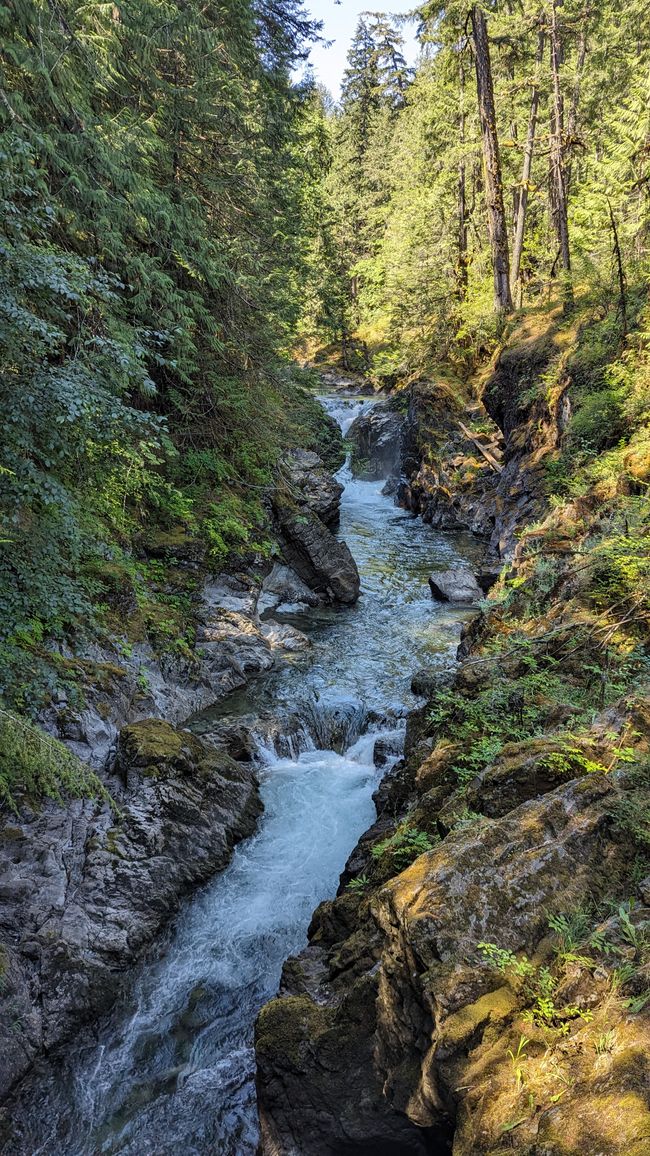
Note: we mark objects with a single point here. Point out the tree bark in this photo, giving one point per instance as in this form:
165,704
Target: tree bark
497,227
572,119
557,158
522,202
462,182
622,283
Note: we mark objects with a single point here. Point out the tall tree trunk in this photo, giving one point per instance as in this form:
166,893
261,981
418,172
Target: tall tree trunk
497,227
462,182
522,202
558,158
572,119
622,283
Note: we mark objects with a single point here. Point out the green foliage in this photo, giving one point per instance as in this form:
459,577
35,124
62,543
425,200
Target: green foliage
154,240
631,811
402,200
507,709
400,849
359,884
539,988
571,760
34,766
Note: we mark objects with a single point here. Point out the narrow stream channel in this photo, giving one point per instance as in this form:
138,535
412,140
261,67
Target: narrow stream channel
172,1071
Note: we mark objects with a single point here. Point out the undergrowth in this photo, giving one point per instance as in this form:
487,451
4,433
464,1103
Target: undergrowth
34,766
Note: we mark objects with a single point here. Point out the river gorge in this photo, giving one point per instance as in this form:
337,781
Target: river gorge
172,1068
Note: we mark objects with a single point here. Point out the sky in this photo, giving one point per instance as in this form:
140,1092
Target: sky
339,23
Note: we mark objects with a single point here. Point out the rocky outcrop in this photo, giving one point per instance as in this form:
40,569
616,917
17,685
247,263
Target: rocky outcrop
130,681
532,420
481,983
448,480
232,646
455,585
313,486
376,439
479,463
84,887
392,1032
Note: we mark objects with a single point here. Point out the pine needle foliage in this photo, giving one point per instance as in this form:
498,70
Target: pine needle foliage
152,246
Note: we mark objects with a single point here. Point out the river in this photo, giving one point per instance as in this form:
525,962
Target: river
172,1070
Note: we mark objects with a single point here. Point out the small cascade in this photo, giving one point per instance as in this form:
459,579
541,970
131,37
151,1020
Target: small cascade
345,409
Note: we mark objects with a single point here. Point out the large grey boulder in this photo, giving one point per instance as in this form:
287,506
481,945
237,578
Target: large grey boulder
323,562
376,439
455,585
306,503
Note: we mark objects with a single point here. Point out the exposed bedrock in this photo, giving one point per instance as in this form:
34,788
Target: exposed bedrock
233,644
305,506
448,479
482,466
323,562
389,1025
532,422
376,439
84,888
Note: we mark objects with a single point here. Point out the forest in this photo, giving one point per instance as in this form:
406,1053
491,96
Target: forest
180,217
197,239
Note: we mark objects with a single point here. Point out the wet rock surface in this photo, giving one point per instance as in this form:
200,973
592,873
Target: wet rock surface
85,887
284,588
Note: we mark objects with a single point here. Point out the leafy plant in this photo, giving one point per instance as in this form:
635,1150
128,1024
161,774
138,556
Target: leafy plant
405,845
358,884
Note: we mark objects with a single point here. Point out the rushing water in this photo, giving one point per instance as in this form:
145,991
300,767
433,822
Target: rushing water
173,1070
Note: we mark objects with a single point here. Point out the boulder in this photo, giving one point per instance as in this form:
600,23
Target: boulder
281,636
427,681
323,562
314,486
84,888
376,439
455,585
